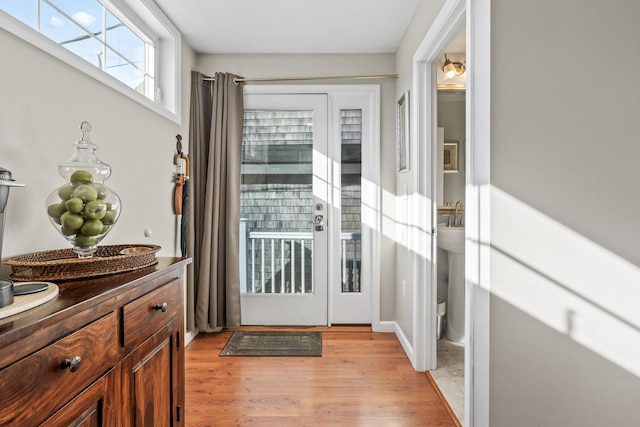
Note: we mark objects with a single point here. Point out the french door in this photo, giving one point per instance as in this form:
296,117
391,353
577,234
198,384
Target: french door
284,205
305,249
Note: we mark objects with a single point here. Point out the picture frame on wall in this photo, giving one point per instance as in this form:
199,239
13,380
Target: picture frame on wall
402,133
451,156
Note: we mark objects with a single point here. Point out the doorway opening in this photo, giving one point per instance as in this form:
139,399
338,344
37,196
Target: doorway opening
450,200
451,20
448,24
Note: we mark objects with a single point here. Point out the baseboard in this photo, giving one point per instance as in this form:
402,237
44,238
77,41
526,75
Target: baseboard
405,343
384,326
189,335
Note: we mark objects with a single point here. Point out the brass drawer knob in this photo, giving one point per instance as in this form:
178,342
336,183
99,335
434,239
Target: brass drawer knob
162,307
72,364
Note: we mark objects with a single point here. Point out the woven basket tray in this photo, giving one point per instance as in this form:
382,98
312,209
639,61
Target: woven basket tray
64,264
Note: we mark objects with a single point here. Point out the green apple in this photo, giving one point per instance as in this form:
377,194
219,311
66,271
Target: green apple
55,210
102,191
105,228
71,221
68,232
95,209
81,177
85,241
92,227
109,218
86,192
65,191
75,205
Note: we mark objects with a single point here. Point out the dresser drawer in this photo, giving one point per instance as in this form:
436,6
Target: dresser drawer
145,315
36,386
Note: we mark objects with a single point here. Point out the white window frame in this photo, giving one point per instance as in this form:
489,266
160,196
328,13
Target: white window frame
145,15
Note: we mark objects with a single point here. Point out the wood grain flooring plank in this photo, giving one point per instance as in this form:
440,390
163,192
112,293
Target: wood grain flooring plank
362,379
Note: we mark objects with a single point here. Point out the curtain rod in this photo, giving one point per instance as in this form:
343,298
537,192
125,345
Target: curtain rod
283,79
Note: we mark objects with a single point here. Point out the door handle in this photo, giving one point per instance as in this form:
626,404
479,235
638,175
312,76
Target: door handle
319,222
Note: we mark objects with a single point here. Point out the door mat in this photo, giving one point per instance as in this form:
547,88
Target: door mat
252,343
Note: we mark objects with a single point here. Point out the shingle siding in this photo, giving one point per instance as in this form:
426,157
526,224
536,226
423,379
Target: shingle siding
277,202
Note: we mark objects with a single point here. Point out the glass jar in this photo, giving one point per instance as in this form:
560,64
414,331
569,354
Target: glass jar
84,209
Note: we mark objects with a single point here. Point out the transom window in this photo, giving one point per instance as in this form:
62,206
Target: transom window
93,32
129,45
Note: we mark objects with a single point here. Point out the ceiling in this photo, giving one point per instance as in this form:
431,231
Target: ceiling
291,26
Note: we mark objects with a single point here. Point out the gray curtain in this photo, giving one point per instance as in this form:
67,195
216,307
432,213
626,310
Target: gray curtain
215,145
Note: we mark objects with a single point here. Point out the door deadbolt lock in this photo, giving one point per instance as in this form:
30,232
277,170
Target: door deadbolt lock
319,222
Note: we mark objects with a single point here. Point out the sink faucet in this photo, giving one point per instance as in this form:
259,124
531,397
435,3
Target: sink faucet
457,220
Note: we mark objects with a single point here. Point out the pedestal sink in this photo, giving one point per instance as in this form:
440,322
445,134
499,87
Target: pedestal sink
451,239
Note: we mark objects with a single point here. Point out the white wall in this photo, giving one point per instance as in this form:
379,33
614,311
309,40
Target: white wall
275,65
42,105
565,264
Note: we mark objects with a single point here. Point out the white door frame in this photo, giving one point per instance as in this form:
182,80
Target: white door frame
454,15
371,190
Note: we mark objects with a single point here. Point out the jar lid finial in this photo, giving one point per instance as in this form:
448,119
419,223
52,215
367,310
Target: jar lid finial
86,128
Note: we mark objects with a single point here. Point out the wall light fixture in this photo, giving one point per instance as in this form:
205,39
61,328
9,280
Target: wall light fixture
452,69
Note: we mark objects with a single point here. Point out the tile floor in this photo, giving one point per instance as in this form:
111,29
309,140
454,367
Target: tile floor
450,375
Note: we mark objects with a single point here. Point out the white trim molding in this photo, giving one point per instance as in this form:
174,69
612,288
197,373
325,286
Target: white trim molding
478,217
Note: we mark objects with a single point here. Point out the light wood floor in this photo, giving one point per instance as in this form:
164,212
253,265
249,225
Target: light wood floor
362,379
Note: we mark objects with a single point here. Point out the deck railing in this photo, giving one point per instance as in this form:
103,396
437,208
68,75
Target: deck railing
281,262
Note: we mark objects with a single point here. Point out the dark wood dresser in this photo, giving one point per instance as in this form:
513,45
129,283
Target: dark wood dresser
107,351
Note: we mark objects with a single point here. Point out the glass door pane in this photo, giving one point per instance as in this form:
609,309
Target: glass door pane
350,185
277,200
